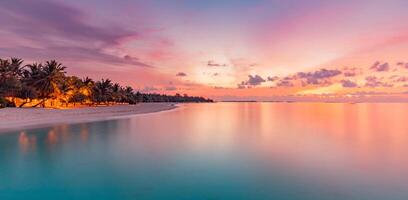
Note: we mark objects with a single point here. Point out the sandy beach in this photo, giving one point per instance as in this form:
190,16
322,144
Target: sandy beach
22,118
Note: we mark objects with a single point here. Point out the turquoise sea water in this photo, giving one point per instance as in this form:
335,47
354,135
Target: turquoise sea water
216,151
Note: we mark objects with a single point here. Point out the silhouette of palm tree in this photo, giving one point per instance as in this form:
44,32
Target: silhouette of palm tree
103,91
46,80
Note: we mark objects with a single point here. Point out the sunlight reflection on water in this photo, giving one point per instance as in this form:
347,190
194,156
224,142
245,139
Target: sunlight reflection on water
216,151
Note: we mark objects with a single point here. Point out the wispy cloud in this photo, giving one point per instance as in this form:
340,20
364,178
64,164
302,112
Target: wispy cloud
253,80
285,83
348,84
272,78
181,74
380,67
52,29
373,81
212,63
403,64
318,77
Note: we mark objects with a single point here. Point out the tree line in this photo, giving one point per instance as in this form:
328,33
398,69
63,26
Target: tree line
47,85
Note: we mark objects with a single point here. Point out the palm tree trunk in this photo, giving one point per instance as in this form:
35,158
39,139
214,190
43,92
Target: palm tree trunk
14,100
42,102
24,103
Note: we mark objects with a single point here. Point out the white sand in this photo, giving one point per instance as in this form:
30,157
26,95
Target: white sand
21,118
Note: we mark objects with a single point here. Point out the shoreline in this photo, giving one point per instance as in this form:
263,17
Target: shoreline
15,119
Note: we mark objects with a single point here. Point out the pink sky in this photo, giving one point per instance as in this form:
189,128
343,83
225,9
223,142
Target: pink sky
227,50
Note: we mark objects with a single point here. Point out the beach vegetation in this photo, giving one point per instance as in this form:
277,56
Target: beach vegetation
48,85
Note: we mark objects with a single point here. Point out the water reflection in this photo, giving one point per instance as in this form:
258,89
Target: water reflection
53,137
217,151
27,143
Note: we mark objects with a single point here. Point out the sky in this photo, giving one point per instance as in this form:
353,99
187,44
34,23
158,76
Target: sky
223,49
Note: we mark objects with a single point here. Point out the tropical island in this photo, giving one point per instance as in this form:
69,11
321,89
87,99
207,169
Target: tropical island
47,85
38,95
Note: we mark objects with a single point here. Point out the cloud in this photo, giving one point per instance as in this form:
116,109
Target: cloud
289,78
402,79
285,83
351,71
326,77
241,85
348,84
252,81
364,93
135,61
255,80
398,78
318,77
58,20
373,81
53,29
73,54
211,63
380,67
349,74
181,74
272,78
403,64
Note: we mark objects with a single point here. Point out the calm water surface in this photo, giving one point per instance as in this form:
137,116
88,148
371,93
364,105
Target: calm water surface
216,151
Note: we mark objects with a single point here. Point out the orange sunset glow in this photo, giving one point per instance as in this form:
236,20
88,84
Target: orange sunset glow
203,99
235,50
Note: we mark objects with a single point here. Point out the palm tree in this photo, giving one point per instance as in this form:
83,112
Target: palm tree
27,93
64,88
47,78
16,66
87,81
34,71
77,97
117,92
11,68
130,96
28,76
48,81
102,91
86,89
139,97
10,75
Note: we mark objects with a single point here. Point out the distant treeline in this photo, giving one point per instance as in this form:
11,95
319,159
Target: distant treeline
47,85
